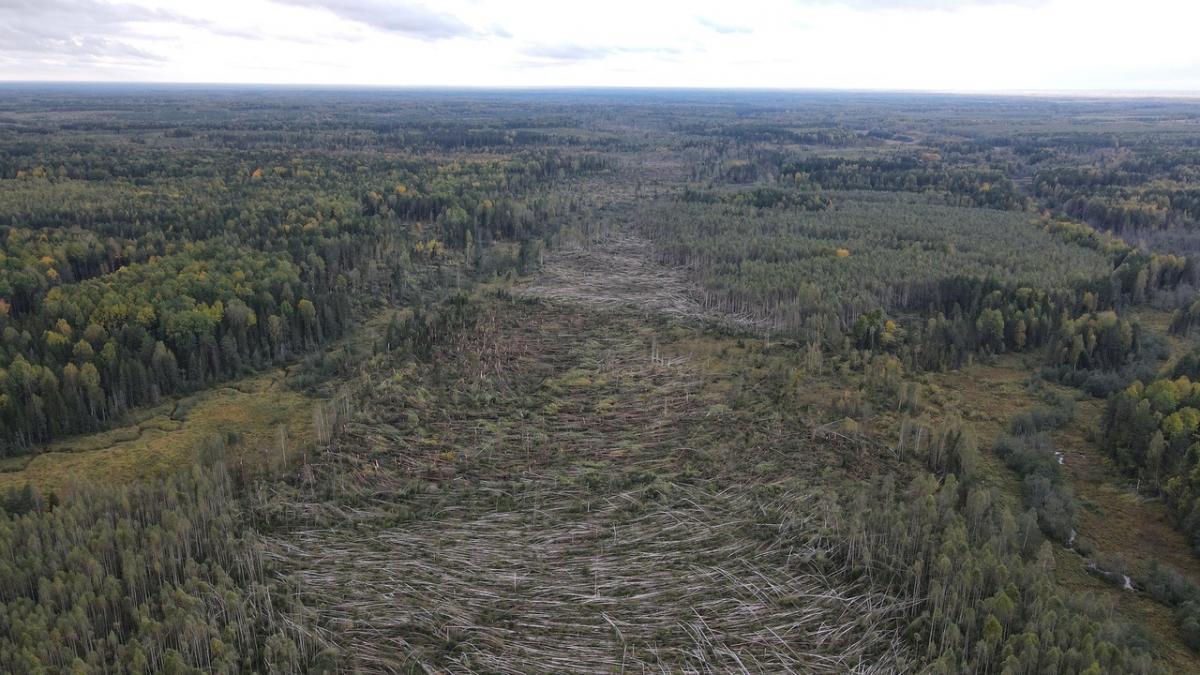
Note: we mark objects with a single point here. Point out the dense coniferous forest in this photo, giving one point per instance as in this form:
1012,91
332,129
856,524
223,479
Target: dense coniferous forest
512,381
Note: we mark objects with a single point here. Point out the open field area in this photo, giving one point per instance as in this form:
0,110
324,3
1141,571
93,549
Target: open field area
248,414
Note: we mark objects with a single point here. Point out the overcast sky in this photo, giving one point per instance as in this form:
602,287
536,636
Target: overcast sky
956,45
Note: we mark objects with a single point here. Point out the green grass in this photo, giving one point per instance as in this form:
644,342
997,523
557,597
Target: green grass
165,438
1113,522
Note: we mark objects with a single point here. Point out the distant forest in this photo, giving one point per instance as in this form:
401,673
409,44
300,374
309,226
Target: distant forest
887,380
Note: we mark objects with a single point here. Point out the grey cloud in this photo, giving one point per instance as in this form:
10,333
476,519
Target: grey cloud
724,29
71,33
257,33
100,47
80,11
75,30
403,18
74,48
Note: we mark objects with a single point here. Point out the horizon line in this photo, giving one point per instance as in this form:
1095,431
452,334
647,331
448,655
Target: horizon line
1025,93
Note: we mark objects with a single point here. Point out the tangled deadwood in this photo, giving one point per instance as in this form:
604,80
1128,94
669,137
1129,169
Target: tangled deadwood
620,271
690,582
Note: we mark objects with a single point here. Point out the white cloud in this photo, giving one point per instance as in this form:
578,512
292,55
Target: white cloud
971,45
723,28
930,5
408,19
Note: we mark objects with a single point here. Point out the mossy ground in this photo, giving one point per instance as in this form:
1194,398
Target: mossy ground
246,415
1114,521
